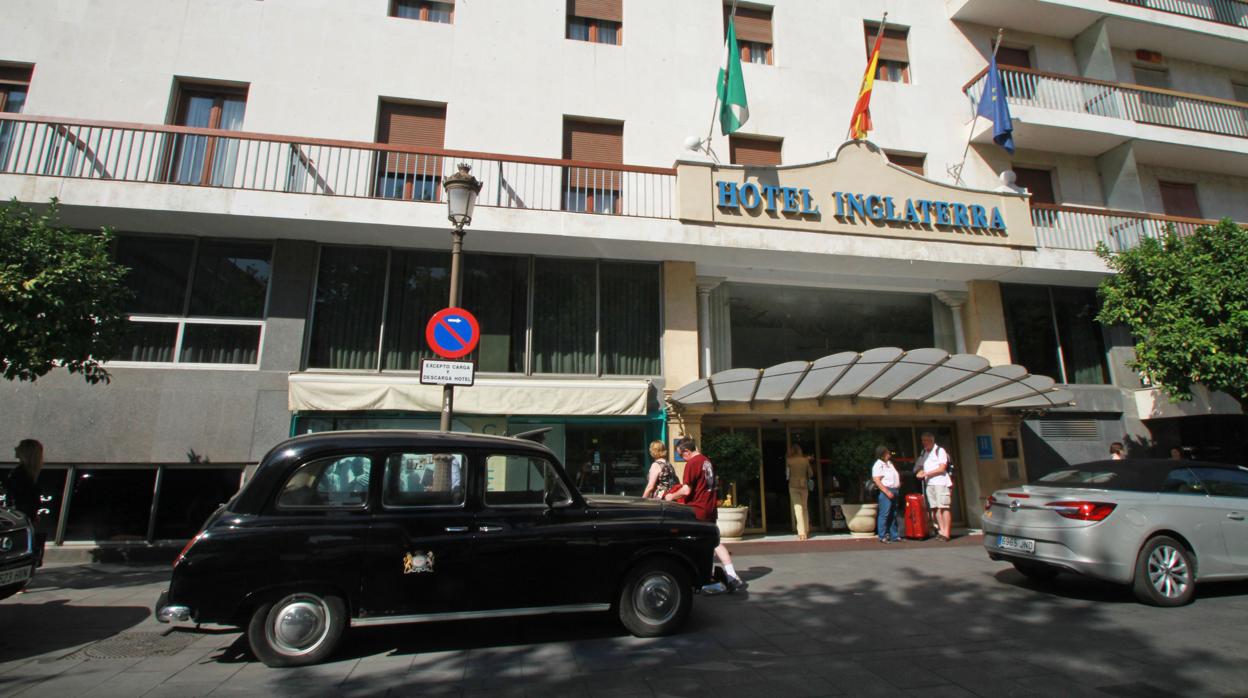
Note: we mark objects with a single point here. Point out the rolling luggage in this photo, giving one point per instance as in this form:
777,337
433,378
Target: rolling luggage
917,524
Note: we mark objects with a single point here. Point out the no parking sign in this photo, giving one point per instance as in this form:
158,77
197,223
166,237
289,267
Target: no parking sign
452,333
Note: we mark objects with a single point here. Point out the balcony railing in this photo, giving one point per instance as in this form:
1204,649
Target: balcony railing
1080,228
1232,12
201,157
1033,88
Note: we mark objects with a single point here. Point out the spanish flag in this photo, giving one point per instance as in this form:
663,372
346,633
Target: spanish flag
860,121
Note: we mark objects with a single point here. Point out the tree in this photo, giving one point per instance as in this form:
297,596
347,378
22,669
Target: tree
1185,299
62,296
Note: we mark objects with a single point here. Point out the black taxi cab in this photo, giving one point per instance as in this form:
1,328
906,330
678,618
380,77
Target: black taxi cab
380,527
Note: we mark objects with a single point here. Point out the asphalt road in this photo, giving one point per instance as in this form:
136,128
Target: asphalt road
817,620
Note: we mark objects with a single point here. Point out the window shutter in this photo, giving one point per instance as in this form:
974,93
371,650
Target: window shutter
1015,57
1038,182
1179,199
914,163
892,46
753,25
591,141
19,75
412,125
610,10
754,151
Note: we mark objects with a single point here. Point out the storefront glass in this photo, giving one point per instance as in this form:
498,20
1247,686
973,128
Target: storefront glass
607,459
188,496
110,505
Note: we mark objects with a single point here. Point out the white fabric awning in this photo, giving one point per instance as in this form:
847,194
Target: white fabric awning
337,392
924,376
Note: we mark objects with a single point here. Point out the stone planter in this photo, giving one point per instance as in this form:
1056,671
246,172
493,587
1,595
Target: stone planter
862,525
731,521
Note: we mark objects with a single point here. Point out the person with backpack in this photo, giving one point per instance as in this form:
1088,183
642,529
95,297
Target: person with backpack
935,470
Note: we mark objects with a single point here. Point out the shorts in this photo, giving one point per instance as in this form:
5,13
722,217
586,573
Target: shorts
938,496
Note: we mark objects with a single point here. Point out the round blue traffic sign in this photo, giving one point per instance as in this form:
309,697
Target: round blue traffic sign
452,333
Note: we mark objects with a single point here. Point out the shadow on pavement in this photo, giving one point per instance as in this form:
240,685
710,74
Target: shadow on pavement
32,628
97,576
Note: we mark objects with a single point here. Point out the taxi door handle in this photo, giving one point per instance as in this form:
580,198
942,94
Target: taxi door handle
456,529
1235,516
489,529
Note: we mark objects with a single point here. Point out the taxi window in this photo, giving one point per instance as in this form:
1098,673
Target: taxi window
424,479
515,480
337,482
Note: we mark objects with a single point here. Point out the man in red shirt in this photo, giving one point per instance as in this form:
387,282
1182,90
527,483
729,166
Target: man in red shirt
699,491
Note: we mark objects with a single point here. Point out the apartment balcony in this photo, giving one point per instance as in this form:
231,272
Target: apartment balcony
1083,228
1080,116
200,165
1212,32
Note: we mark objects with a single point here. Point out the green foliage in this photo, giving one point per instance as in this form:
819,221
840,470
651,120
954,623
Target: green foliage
61,296
1185,299
735,454
852,453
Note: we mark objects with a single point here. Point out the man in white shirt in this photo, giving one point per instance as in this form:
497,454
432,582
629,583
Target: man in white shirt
935,474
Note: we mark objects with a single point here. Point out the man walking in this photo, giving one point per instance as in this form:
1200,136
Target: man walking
699,492
934,472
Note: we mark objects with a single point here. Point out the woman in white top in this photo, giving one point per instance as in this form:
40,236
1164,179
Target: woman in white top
889,483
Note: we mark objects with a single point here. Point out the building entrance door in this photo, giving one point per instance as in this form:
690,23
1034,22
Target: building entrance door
776,510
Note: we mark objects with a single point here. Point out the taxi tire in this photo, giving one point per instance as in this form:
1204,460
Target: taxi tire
649,577
258,636
1161,548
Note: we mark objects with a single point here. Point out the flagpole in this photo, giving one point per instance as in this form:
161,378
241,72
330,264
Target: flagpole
878,34
957,172
710,132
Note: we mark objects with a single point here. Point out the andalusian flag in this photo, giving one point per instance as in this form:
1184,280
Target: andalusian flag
860,121
733,110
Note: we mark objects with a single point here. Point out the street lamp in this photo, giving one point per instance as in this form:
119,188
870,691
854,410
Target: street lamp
461,198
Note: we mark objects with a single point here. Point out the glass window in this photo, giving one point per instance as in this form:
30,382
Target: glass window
424,479
1183,481
207,159
231,279
149,342
774,324
1042,319
1029,327
419,287
350,288
578,28
110,504
188,496
426,10
1083,346
1224,482
522,481
220,344
607,459
340,482
565,316
496,288
630,322
159,272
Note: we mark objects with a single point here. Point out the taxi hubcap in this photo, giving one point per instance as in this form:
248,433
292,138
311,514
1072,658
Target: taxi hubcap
299,623
1168,572
657,597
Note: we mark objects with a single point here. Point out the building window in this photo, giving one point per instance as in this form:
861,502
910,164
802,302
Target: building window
1053,332
894,65
583,317
424,10
588,189
1179,199
196,301
410,176
1038,182
607,459
596,21
757,152
14,84
914,163
753,34
208,160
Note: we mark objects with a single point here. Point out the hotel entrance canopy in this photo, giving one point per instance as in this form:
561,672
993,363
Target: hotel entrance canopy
921,378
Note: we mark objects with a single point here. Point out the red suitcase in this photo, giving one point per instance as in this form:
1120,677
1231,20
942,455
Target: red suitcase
917,526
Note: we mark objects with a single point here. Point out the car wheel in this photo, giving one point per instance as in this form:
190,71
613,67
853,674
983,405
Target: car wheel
1165,573
655,599
1036,571
297,630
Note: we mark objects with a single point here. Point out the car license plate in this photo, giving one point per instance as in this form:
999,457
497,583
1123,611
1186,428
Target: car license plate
20,574
1024,545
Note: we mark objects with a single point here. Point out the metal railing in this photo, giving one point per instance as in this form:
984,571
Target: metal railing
180,155
1080,228
1232,12
1145,105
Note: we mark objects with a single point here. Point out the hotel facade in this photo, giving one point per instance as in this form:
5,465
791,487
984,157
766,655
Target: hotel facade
272,171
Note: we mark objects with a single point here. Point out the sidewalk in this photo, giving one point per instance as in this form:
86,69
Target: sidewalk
836,542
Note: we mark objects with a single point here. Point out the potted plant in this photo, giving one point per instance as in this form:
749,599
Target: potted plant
736,458
851,456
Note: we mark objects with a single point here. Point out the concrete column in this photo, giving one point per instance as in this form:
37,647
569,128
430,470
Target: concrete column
1093,53
1120,178
955,300
680,325
984,320
705,286
294,268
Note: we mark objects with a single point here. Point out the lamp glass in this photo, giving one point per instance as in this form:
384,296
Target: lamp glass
460,199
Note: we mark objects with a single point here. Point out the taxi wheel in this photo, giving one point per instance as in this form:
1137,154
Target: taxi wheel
1165,573
656,598
297,629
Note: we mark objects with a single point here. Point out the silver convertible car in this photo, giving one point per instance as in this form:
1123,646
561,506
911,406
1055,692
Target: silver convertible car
1158,525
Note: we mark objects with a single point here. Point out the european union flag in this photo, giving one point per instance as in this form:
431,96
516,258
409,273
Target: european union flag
993,107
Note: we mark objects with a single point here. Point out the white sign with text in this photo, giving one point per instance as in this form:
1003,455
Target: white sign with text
435,372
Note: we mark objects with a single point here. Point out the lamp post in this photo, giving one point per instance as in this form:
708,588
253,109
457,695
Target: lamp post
461,197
